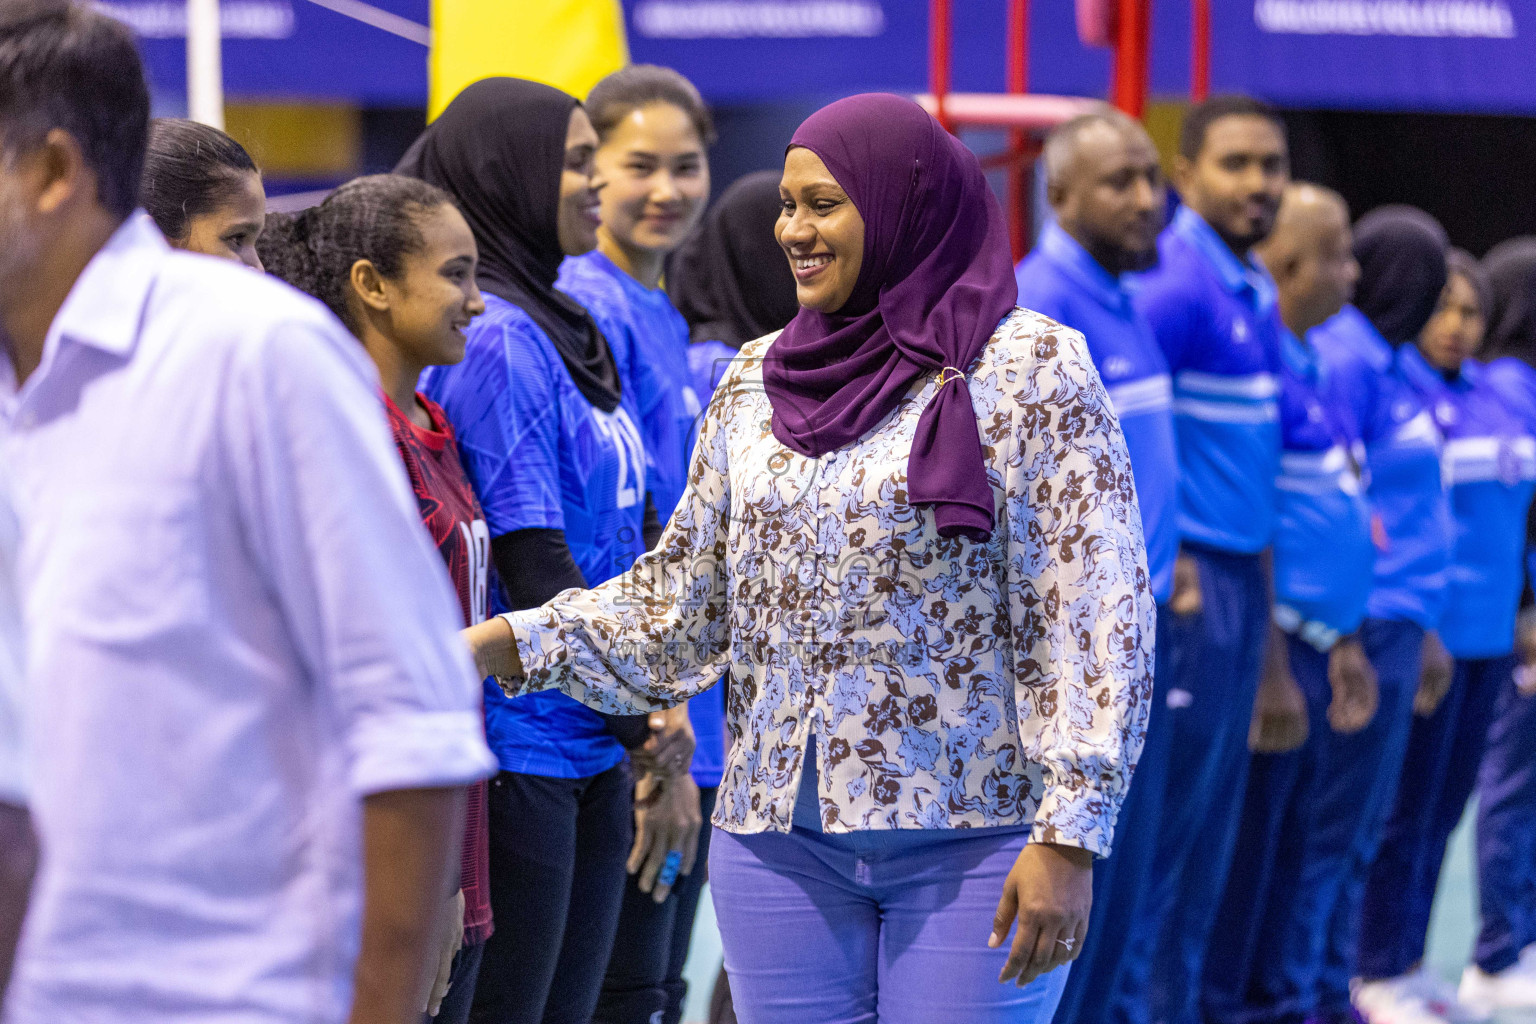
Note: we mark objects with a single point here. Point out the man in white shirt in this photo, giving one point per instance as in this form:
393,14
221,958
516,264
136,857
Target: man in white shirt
253,713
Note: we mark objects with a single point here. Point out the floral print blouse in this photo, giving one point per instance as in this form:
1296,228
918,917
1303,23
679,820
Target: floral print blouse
946,683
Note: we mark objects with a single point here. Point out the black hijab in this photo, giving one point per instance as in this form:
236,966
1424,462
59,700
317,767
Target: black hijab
1460,263
499,150
1511,267
1401,251
730,279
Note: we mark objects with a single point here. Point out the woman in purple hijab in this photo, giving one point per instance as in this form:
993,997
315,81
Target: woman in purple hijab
912,537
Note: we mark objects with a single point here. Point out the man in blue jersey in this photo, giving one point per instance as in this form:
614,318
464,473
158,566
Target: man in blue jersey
1256,972
1212,308
1106,189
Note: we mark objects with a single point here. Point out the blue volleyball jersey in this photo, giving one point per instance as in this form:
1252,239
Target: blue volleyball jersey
1402,449
650,341
542,457
1216,321
1489,463
708,361
1323,554
1061,280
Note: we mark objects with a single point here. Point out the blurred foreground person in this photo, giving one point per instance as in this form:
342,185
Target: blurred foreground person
1107,192
653,135
730,280
253,716
1503,976
1489,464
1212,308
889,779
395,261
1319,680
203,190
1402,270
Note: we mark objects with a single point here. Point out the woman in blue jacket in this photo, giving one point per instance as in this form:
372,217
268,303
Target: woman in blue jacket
1503,976
1489,464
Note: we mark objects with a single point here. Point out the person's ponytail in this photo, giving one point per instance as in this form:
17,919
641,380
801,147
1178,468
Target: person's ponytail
373,218
284,250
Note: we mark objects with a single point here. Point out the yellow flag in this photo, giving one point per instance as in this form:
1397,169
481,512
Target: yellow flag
570,44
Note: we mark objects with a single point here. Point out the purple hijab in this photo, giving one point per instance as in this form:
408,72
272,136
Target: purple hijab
937,279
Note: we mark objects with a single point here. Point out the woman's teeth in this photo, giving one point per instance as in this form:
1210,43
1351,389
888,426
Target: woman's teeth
813,261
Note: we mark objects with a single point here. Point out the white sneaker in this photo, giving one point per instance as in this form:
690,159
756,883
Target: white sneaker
1393,1001
1441,999
1512,989
1528,958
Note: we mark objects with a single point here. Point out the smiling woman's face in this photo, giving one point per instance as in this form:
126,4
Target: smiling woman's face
821,232
579,202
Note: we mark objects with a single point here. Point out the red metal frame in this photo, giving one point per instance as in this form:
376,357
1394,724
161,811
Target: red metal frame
939,25
1200,50
1128,90
1025,116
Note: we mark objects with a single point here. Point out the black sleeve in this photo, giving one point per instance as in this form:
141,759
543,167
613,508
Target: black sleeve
650,528
534,566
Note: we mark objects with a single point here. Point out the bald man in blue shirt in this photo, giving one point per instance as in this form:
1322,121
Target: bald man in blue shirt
1106,188
1212,307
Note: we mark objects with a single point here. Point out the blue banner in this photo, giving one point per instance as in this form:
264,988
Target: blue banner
1439,55
1446,55
295,49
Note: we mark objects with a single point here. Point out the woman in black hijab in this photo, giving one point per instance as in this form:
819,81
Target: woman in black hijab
1511,269
551,443
730,279
1401,251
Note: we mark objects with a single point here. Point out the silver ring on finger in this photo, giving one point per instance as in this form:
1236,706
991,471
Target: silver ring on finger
1069,943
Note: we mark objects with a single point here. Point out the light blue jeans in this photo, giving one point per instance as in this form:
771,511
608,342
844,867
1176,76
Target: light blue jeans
870,928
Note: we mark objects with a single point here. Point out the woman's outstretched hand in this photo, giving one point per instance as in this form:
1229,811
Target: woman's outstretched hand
494,649
1049,893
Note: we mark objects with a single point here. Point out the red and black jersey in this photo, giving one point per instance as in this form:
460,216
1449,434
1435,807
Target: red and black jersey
448,505
452,515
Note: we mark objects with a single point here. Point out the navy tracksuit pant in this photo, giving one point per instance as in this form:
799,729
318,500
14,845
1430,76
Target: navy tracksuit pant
1284,949
1249,973
1217,659
1359,789
1439,773
1506,832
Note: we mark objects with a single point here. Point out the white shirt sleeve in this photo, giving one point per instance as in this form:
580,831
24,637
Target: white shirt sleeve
13,776
331,518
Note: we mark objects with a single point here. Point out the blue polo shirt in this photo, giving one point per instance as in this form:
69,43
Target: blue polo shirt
1060,279
1215,319
1489,462
1323,551
1402,448
1515,381
541,456
650,343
